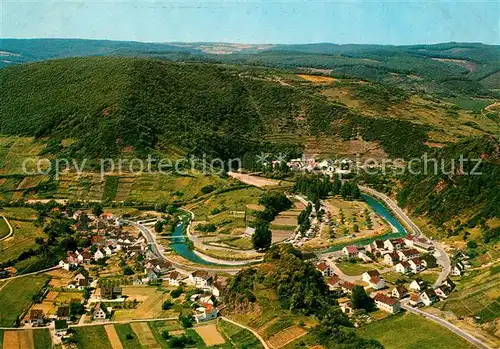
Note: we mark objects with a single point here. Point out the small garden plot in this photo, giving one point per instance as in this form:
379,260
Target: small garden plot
19,339
210,335
144,334
236,334
286,336
127,336
279,235
355,268
113,338
91,337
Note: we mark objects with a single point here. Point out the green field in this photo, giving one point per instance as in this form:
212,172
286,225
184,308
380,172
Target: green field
15,297
355,268
410,331
91,337
42,339
123,330
24,239
471,103
4,228
239,336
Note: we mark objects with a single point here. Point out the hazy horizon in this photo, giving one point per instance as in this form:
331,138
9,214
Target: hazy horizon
256,22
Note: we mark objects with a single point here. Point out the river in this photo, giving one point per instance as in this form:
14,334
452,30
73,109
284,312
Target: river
181,248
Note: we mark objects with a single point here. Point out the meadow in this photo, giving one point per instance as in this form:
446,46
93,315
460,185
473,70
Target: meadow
410,331
16,297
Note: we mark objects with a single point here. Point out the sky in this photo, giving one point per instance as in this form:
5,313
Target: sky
257,22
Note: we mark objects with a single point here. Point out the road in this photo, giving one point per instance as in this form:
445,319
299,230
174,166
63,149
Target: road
446,324
442,257
155,248
264,344
11,230
34,273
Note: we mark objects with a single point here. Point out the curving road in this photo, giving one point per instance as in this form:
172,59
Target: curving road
442,257
155,248
446,324
11,230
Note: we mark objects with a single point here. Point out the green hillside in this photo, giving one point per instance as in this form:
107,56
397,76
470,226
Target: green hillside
108,104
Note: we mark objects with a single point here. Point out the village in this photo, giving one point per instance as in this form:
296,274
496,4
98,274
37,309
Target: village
403,260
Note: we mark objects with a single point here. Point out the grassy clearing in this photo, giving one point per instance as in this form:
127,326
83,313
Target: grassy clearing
21,213
471,104
91,337
22,240
240,337
476,295
354,268
42,339
4,228
123,330
15,297
413,332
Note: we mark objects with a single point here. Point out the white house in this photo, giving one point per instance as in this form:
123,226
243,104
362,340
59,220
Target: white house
428,297
205,312
201,279
403,267
394,244
324,269
367,275
457,269
174,278
376,282
408,254
391,258
417,265
99,312
388,304
399,292
350,251
418,285
99,254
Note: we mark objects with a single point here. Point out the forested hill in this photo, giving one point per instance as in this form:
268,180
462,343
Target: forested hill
108,104
448,69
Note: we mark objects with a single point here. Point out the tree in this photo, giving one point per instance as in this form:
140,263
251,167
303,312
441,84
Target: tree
262,237
159,227
165,334
355,227
471,244
186,320
167,305
430,260
129,336
360,300
97,210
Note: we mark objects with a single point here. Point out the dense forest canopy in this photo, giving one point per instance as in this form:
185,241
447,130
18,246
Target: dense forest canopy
110,103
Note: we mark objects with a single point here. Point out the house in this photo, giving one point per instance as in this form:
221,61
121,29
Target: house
386,303
364,257
443,291
61,327
324,269
35,317
99,254
151,274
350,251
79,276
403,267
417,265
334,282
367,275
219,286
201,278
376,282
160,266
407,254
345,306
100,312
66,265
108,292
394,244
391,258
174,278
84,257
423,244
347,287
375,246
428,297
449,283
414,299
457,269
399,292
205,312
418,285
83,284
